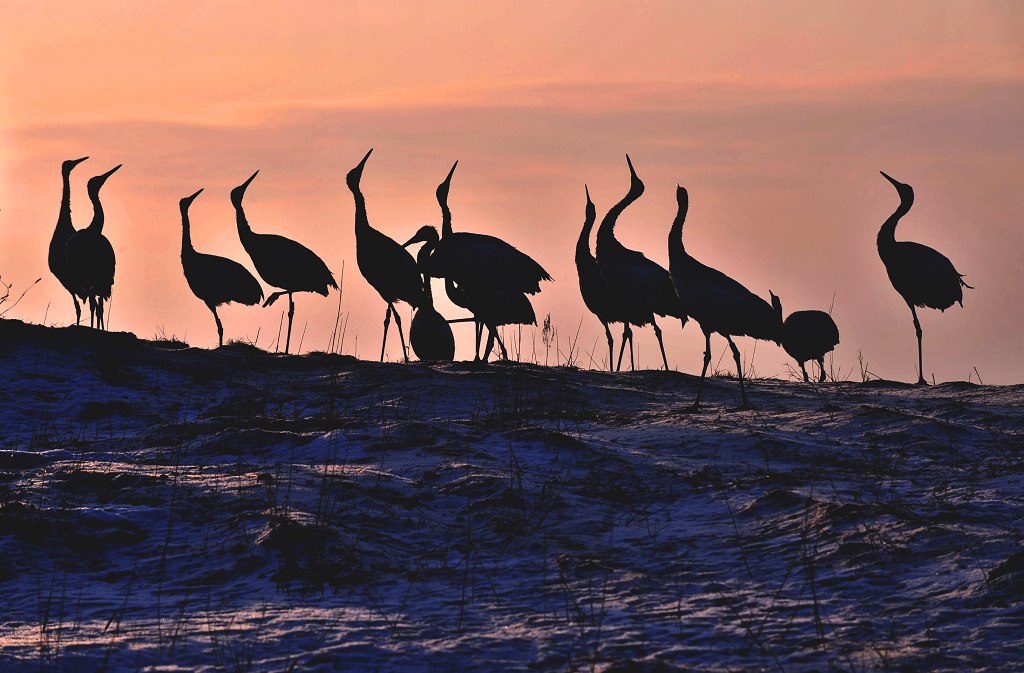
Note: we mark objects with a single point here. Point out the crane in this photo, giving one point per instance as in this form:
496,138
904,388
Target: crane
718,303
923,276
90,256
281,262
215,280
807,335
430,335
58,258
643,287
386,266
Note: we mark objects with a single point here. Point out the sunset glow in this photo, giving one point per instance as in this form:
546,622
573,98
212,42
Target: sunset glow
777,117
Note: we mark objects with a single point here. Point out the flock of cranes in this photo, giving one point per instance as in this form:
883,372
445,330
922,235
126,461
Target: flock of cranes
493,280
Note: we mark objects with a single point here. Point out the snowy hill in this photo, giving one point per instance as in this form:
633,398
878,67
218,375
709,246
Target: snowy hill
166,508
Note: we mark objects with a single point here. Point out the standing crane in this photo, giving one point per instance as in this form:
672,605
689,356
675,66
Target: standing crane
90,257
641,286
281,262
430,335
386,266
215,280
595,291
491,307
58,258
484,274
923,276
807,335
718,303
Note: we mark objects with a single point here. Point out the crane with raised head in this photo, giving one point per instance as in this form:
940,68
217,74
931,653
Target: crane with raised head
213,279
58,256
280,261
386,265
923,276
719,304
641,286
91,258
594,288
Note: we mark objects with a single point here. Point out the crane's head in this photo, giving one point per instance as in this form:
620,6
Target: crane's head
636,185
354,175
96,182
426,234
442,189
187,201
66,167
905,191
682,200
591,210
776,304
238,192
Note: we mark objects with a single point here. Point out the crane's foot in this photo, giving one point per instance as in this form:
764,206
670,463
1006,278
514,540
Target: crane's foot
921,381
692,409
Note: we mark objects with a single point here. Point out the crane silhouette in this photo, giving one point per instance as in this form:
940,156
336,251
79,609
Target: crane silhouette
595,291
281,262
58,258
923,276
386,266
639,285
484,274
430,335
807,335
718,303
90,256
215,280
491,307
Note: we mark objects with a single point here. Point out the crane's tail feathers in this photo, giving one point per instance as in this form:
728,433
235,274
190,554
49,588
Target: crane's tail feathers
963,283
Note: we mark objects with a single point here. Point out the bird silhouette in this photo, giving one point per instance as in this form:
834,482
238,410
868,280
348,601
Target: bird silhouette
430,335
58,258
595,291
90,257
491,307
281,262
639,285
923,276
807,335
718,303
484,274
215,280
386,265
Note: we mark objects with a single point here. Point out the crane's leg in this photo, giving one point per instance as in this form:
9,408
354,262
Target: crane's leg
501,345
657,333
92,311
739,371
611,346
626,336
398,324
99,314
479,338
490,344
704,371
920,359
291,314
220,327
821,365
387,321
804,370
78,309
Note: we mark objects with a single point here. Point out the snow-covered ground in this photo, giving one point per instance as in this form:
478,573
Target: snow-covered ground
169,509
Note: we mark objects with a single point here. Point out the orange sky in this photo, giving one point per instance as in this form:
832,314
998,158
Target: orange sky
776,116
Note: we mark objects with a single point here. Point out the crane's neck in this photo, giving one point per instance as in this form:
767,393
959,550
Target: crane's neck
97,212
583,243
421,261
362,220
244,230
446,218
676,249
887,233
64,219
606,232
186,234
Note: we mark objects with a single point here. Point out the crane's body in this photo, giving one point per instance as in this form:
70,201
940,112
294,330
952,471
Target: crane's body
90,257
57,259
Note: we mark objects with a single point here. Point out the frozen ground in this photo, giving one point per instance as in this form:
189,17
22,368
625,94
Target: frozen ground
171,509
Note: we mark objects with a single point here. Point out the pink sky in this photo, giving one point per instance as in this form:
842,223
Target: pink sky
776,117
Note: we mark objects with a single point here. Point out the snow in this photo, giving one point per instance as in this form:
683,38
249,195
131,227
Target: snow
176,509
